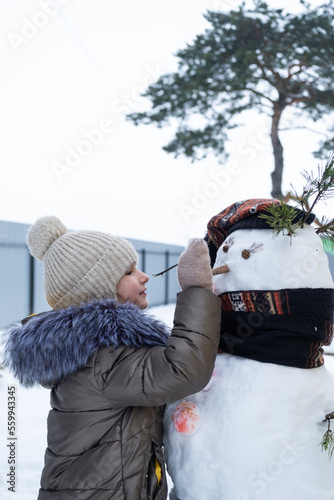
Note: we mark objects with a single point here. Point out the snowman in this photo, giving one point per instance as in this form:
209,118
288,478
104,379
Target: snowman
253,433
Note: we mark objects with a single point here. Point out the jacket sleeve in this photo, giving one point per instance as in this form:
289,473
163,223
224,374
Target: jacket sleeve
154,376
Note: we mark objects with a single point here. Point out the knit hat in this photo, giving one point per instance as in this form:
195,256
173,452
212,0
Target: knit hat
79,266
242,215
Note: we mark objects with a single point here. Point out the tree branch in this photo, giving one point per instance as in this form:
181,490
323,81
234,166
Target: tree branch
256,92
303,127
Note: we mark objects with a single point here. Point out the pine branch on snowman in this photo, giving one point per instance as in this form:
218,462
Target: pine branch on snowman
254,432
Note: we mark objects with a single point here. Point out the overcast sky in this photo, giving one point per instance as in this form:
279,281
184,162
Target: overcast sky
71,70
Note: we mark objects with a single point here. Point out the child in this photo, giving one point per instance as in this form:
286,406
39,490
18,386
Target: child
111,367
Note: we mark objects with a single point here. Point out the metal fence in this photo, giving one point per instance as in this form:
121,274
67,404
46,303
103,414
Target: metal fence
22,289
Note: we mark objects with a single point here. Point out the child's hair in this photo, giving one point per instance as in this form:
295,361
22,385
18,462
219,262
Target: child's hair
79,266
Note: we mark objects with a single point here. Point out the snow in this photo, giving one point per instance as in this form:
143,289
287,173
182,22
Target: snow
240,452
32,407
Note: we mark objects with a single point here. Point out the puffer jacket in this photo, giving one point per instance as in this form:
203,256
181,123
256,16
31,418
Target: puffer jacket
111,370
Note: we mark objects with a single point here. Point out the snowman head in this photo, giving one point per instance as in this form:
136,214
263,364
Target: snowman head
256,259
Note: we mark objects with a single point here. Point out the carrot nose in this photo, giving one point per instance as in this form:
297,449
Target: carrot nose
220,270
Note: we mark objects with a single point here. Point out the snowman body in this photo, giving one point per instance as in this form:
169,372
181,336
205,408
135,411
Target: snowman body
257,424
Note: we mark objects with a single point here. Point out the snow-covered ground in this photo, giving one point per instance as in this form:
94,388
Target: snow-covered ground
31,410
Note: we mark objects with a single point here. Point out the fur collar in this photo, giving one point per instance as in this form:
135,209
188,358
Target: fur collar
55,344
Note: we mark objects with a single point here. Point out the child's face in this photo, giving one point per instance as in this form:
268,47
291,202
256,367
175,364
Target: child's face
131,288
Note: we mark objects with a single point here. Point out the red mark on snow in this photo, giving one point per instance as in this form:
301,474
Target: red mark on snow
186,418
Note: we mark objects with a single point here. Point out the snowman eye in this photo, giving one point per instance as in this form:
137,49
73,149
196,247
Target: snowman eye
245,254
228,243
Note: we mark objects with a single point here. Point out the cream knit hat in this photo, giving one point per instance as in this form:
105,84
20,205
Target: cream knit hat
79,266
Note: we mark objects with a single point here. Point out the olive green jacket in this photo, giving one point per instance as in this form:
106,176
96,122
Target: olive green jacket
105,426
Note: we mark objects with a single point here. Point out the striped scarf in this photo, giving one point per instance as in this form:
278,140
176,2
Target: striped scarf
285,327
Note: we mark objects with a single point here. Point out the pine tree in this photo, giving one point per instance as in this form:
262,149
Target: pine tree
261,58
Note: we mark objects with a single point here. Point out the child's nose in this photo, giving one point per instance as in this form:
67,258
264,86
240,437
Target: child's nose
144,277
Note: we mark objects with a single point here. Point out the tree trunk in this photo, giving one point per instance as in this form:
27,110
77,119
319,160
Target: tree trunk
277,174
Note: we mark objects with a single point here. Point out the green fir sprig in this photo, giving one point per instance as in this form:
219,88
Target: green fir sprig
280,217
320,188
316,189
327,443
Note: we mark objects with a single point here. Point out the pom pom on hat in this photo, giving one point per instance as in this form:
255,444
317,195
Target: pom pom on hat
79,266
43,233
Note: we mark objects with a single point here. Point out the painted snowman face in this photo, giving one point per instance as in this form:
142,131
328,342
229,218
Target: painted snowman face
259,261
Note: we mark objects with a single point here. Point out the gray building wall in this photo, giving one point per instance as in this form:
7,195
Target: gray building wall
22,290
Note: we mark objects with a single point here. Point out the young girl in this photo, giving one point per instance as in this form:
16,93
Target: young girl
110,366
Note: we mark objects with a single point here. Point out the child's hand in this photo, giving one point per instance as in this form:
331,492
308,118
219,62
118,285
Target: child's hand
194,266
